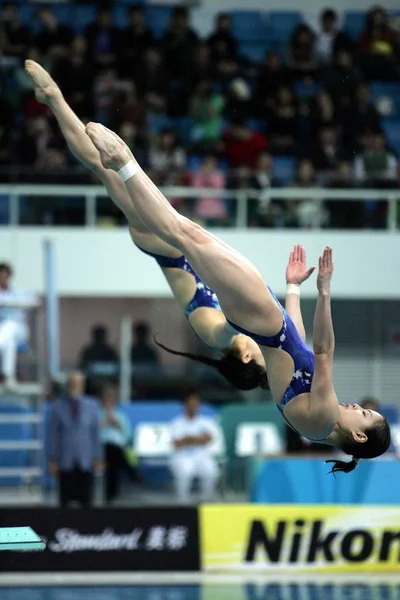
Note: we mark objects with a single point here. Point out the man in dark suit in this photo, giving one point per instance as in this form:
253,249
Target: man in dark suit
75,442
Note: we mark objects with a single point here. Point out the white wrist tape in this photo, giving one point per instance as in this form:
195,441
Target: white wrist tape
129,170
293,288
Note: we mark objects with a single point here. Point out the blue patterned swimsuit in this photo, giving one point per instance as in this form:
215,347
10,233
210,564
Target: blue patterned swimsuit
204,297
289,340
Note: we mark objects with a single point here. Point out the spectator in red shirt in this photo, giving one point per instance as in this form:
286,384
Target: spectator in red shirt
241,145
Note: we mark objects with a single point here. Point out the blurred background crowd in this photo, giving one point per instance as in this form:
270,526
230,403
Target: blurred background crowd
257,102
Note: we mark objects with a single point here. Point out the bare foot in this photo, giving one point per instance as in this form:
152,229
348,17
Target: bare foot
114,153
46,89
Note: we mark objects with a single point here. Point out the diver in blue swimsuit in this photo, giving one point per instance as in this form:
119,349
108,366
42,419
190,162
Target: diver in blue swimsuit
301,381
206,319
199,302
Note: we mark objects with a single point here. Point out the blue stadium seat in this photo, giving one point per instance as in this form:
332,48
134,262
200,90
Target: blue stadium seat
392,131
223,165
283,23
254,51
182,126
84,15
386,97
284,168
249,25
156,123
23,347
63,12
26,13
158,18
4,213
120,16
391,413
194,162
256,125
353,23
305,90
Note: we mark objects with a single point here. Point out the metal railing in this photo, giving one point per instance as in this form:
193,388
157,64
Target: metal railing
242,198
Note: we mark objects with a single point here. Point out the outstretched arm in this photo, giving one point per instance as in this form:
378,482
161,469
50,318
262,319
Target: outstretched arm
324,403
324,337
296,274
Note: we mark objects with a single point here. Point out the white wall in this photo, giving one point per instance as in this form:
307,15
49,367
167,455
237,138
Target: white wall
105,263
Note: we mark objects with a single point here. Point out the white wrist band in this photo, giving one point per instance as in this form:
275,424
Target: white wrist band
129,170
293,288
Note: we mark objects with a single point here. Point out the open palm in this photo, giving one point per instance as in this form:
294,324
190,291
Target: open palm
296,271
325,270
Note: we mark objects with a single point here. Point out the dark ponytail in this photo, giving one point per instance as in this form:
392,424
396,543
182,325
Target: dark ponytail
242,376
378,441
340,466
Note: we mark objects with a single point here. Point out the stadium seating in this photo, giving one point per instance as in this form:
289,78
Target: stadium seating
84,15
392,131
353,23
11,432
305,89
282,24
284,169
120,14
157,18
391,413
249,26
254,51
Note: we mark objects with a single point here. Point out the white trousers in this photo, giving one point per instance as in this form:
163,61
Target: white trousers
185,468
11,334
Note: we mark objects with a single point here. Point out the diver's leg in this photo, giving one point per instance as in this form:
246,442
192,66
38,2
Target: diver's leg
73,130
237,283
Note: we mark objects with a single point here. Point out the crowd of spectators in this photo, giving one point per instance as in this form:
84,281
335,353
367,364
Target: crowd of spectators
197,112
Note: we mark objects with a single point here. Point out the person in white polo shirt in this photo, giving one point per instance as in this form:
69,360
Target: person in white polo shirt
192,436
13,324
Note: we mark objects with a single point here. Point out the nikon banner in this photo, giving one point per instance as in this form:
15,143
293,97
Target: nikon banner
305,538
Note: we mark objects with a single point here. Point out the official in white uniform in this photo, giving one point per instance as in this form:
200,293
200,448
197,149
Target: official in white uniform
192,437
13,324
